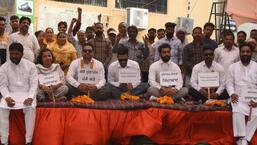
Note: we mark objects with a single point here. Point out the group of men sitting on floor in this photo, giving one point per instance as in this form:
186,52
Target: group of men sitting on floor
86,75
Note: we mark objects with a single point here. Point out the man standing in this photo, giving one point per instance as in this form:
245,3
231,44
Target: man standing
208,66
253,34
149,41
86,75
157,87
241,75
102,46
3,41
241,37
125,64
81,36
18,86
192,54
160,33
175,44
228,53
28,41
14,22
207,32
137,50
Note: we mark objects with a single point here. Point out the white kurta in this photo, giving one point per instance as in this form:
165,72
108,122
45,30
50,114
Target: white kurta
239,77
19,82
113,72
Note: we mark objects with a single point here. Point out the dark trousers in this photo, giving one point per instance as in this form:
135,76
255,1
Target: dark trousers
117,91
198,96
144,76
2,56
98,95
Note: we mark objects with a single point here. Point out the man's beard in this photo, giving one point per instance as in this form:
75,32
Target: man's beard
245,59
15,61
165,58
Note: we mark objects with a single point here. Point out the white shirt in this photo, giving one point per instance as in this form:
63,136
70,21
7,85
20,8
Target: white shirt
225,57
19,78
113,72
75,67
202,68
159,66
29,42
240,76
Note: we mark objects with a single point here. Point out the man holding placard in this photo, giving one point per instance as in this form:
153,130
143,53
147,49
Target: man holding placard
86,75
241,86
124,75
18,86
208,78
165,77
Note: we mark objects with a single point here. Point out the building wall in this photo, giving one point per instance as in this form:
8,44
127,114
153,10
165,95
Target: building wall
200,11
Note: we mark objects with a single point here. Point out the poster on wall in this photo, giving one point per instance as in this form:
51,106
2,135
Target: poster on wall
57,14
25,7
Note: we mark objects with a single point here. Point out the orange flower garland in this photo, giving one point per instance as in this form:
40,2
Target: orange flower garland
127,96
165,100
215,103
83,99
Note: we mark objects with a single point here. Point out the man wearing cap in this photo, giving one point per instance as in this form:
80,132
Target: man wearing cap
175,44
112,35
86,75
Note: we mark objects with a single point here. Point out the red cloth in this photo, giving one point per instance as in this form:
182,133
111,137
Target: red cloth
77,126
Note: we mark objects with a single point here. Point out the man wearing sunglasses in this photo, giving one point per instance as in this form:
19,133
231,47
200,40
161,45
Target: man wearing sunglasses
208,66
86,75
116,86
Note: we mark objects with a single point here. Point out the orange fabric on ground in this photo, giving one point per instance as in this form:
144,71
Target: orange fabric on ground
77,126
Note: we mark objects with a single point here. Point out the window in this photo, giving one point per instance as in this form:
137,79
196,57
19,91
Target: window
101,3
157,6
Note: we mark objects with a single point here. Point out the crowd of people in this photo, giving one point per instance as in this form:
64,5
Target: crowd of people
58,67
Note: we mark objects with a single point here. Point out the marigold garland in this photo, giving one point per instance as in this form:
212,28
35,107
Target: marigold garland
165,100
83,99
215,103
127,96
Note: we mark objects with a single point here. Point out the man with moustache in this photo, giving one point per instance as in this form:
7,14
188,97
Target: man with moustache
228,53
18,86
28,41
123,62
165,65
102,46
175,44
160,33
79,79
241,75
192,54
208,66
149,40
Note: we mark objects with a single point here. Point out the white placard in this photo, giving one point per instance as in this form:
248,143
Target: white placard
169,78
208,79
249,93
49,79
19,98
129,75
88,76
